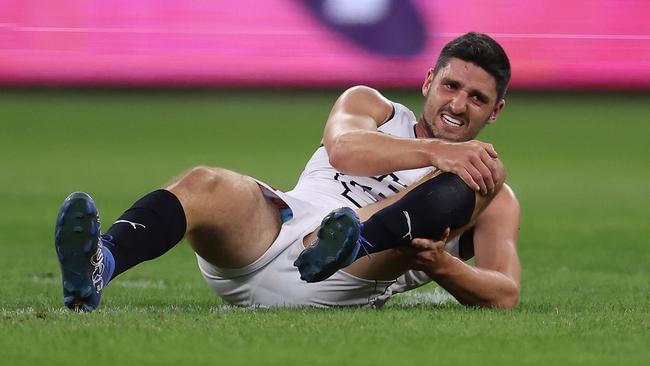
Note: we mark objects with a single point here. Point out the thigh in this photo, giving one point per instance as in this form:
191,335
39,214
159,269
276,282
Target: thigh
230,222
277,282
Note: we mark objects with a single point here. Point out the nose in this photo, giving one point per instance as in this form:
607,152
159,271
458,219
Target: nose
458,104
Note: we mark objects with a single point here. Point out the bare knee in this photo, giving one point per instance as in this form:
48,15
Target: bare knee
198,180
195,188
218,203
206,192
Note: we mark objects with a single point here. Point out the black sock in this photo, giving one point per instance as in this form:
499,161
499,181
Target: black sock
425,212
147,230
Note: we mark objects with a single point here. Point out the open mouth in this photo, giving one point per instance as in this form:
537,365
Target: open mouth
451,121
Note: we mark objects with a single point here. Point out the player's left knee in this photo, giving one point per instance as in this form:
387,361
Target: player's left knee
199,180
444,201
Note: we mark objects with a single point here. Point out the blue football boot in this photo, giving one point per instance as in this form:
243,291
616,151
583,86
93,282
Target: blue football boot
82,257
337,246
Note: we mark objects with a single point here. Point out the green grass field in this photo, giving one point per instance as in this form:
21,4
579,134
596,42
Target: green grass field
579,164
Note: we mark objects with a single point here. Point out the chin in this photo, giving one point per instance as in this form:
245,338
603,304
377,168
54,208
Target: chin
447,136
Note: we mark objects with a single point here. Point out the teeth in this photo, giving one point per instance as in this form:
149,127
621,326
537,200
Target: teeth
451,121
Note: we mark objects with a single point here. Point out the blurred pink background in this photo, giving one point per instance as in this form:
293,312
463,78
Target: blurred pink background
552,44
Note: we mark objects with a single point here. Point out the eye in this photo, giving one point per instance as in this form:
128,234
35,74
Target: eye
477,99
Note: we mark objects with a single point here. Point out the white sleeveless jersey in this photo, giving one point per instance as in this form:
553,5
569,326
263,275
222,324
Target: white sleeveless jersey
322,185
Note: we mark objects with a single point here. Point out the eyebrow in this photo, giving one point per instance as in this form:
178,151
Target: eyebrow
472,92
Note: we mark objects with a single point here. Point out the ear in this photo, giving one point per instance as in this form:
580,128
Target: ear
428,81
496,111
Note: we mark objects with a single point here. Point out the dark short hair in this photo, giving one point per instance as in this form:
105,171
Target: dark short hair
481,50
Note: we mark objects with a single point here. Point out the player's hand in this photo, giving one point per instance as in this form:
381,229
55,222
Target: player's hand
426,254
473,161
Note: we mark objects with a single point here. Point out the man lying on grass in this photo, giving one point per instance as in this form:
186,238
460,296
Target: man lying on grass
405,201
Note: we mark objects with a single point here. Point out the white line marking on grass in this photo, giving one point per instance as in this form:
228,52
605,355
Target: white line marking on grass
145,284
142,284
31,311
437,296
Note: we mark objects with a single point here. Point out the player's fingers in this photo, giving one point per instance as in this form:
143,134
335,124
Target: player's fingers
486,173
467,178
490,150
491,163
421,243
477,177
445,235
424,245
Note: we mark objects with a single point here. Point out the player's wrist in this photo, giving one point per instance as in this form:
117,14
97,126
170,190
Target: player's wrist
434,149
443,267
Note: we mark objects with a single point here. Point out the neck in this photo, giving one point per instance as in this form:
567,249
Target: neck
423,130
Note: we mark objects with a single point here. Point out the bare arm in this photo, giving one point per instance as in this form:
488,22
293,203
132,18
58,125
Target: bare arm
356,147
495,280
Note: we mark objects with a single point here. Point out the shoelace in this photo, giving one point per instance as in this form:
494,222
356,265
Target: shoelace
364,242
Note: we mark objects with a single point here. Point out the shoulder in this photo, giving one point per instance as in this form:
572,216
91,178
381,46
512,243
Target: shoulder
505,205
363,92
363,99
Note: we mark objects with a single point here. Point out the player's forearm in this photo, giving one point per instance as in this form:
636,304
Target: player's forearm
369,153
476,286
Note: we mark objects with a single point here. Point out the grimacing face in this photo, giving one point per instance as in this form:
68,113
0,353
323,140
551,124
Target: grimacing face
459,101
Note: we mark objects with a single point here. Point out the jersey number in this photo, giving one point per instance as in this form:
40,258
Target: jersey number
347,190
